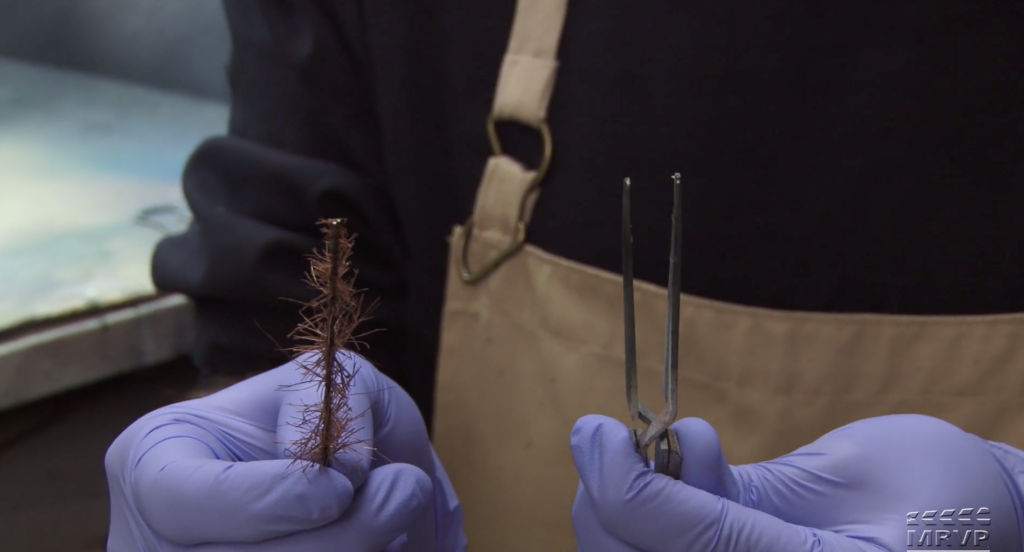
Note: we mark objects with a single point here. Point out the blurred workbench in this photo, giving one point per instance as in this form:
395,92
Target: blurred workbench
90,183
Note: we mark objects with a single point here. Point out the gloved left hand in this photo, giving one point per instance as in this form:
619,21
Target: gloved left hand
853,490
214,474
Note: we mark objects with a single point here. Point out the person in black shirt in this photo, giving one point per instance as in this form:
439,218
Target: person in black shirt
853,177
850,158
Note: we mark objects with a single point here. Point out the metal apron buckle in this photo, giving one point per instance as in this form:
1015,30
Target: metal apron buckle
472,276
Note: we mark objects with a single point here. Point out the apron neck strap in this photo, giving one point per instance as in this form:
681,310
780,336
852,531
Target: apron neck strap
527,75
526,80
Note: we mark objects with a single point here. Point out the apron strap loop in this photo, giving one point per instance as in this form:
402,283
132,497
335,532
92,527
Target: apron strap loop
526,81
520,183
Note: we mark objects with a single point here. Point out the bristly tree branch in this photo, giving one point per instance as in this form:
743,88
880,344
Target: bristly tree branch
328,322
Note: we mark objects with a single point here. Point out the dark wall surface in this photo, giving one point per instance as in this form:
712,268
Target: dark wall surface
179,45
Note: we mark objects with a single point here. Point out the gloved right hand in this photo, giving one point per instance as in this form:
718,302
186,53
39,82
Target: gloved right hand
893,483
212,474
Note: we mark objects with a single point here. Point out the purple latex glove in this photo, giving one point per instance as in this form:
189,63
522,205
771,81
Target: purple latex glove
850,491
212,474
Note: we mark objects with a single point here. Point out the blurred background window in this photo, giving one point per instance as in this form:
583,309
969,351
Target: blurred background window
101,103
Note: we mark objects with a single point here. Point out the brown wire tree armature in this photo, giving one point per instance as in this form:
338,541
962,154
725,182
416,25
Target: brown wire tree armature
327,428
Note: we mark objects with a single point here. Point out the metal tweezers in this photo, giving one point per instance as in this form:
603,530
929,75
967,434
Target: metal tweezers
668,459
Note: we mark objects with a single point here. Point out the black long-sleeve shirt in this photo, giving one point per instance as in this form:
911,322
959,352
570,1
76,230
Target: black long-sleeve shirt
846,156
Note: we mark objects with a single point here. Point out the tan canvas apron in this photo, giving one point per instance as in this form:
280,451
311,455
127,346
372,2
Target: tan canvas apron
533,345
